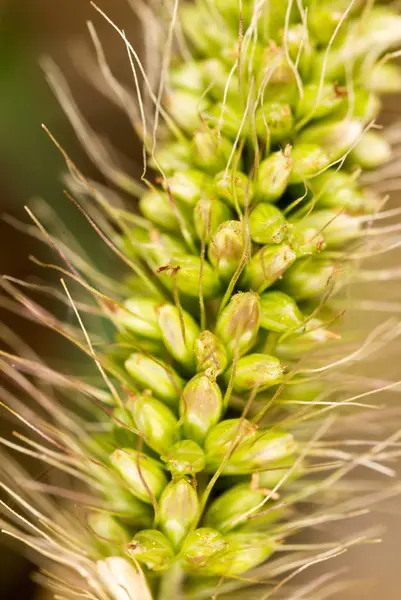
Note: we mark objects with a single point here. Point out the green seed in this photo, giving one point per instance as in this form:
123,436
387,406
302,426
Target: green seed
201,407
306,237
156,376
384,78
238,324
157,207
179,331
144,475
172,156
274,175
267,224
184,458
201,547
330,99
178,510
192,275
108,529
336,189
372,151
338,228
156,421
210,353
266,447
186,107
245,551
188,186
234,187
208,214
266,266
308,278
308,160
210,152
188,76
256,372
224,437
279,312
226,249
331,140
151,548
233,507
274,122
140,317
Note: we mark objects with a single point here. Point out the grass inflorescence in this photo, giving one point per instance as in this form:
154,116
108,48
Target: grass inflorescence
226,414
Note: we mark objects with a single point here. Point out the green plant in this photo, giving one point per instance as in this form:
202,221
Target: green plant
212,420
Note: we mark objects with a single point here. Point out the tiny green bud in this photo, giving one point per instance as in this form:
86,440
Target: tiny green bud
308,160
155,421
268,446
338,227
108,530
330,139
267,224
256,371
273,175
188,76
305,340
268,265
245,551
223,439
155,375
185,107
274,121
234,187
210,353
157,207
306,238
233,507
123,426
226,249
179,331
384,78
210,152
372,151
179,506
209,213
238,324
299,47
187,186
191,275
308,278
201,407
279,312
323,20
172,157
330,99
151,548
227,118
336,189
144,475
201,547
184,458
216,72
140,317
161,247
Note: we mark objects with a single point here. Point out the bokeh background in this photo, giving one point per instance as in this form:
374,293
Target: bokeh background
31,168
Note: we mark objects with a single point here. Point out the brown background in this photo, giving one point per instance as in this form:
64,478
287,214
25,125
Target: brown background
30,166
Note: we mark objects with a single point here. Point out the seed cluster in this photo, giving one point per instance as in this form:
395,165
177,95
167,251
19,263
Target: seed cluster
258,198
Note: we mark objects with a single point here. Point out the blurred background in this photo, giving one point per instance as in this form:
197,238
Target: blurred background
31,167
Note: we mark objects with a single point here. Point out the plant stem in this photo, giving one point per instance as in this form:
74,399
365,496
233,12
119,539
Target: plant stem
171,583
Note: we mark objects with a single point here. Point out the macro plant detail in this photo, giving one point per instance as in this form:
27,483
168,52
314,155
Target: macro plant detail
209,436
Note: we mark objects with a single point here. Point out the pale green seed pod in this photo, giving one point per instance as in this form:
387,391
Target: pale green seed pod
216,72
151,548
372,151
338,228
157,207
179,331
267,224
245,551
274,122
192,275
323,18
314,334
267,266
306,237
186,107
187,76
155,421
332,139
235,188
256,372
172,156
200,407
279,312
330,99
210,353
336,189
188,186
238,324
308,160
309,277
109,531
227,118
179,507
268,446
208,215
204,31
210,152
201,547
223,438
140,317
144,475
156,376
232,508
300,48
384,78
274,175
226,249
184,458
